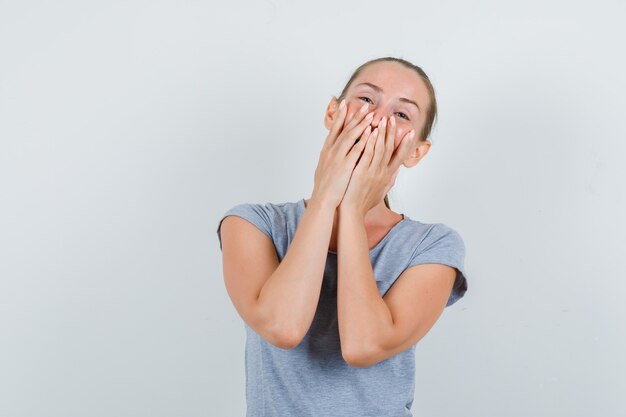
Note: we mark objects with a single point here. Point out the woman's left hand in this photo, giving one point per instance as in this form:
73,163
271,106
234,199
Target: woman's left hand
375,173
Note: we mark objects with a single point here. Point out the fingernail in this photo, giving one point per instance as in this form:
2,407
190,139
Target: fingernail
364,108
342,104
383,121
370,116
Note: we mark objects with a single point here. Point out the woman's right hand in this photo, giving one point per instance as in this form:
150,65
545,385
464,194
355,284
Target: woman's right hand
339,155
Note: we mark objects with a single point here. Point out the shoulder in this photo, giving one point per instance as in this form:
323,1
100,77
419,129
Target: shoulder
439,241
270,218
272,213
442,236
429,236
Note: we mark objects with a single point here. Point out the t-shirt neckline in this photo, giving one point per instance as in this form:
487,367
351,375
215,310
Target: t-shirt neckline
405,218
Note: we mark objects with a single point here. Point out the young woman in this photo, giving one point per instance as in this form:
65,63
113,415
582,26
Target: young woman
336,290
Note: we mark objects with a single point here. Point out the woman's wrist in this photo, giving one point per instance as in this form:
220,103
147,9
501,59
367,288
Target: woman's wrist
351,210
322,204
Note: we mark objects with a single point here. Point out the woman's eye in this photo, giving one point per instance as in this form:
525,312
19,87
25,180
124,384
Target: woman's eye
403,115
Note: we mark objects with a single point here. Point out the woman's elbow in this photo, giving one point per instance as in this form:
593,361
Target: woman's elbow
285,339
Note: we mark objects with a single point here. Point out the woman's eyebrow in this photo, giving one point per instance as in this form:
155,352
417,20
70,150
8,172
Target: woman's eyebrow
380,90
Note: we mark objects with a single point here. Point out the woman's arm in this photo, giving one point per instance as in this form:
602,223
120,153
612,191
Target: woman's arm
373,328
290,296
283,305
362,315
277,299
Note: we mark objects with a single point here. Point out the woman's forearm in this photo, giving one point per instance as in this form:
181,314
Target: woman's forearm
363,316
289,298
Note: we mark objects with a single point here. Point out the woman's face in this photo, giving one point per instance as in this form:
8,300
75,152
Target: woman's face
390,89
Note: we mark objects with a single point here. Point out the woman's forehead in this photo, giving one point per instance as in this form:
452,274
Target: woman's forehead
393,79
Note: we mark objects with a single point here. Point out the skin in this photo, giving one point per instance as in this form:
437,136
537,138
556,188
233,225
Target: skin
396,81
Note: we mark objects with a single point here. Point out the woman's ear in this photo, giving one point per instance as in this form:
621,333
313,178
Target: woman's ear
330,113
418,153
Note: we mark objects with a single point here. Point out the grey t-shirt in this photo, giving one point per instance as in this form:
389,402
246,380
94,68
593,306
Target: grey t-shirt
313,379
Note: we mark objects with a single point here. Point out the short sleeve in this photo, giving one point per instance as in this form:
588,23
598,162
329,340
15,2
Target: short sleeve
254,213
443,245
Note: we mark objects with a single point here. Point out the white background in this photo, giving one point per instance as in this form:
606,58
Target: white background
128,127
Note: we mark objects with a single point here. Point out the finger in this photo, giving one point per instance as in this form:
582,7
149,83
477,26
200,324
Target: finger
406,147
368,153
357,149
337,124
350,136
390,141
362,141
339,120
357,117
379,147
350,116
